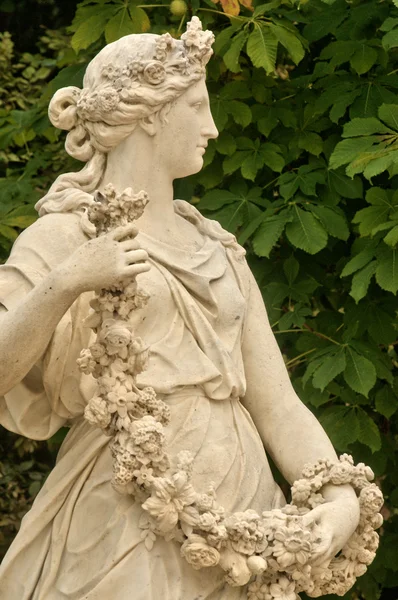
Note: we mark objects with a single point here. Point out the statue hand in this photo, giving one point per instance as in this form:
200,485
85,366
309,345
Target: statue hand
336,521
105,261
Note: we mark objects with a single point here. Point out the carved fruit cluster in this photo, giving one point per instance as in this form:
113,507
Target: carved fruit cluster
271,552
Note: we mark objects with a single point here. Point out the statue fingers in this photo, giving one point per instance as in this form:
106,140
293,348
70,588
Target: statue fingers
129,244
135,269
124,231
136,256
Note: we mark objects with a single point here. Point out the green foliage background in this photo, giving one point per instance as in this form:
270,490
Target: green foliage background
304,172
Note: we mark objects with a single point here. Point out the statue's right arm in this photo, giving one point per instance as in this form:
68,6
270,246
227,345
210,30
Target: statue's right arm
84,265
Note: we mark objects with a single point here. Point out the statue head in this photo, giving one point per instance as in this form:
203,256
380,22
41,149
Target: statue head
129,80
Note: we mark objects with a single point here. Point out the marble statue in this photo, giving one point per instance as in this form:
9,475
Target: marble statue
130,318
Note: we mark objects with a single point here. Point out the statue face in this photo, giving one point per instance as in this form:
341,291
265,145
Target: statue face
180,143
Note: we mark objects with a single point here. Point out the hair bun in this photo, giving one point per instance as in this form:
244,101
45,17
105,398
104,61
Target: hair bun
62,108
78,143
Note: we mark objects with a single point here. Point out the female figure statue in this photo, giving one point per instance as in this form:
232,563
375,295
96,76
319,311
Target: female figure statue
141,121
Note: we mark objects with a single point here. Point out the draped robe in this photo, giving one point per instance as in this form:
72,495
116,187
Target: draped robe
81,539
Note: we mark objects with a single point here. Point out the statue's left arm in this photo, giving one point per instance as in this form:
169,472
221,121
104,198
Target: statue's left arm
289,431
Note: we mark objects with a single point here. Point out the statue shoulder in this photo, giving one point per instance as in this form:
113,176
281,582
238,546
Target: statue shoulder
210,227
54,236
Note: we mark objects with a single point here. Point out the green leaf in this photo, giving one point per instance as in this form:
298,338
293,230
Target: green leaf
368,431
223,38
20,221
389,114
289,41
386,402
373,216
232,55
295,317
251,165
363,59
234,162
310,141
219,113
341,425
305,232
216,199
390,40
367,126
8,232
333,364
379,165
361,281
306,179
269,233
348,150
388,24
291,269
272,159
226,144
346,187
262,47
240,112
391,238
90,30
139,19
387,270
381,325
122,24
334,222
360,373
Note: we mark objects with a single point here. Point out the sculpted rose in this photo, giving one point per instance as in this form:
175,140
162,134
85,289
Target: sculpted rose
154,72
198,553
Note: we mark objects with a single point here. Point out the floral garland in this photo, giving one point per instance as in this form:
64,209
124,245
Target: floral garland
186,58
271,552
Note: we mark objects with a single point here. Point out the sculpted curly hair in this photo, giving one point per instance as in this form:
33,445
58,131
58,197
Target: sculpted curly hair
130,79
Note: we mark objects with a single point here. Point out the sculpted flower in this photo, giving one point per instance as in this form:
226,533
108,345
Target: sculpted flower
116,336
371,499
143,475
218,536
121,401
283,590
154,72
341,473
292,545
87,102
86,362
258,590
246,532
146,440
301,490
133,68
108,99
96,412
198,553
169,498
97,351
110,71
207,521
107,301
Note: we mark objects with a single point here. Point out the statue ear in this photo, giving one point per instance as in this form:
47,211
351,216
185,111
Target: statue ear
150,124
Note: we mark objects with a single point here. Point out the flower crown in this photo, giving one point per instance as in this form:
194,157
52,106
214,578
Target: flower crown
185,58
